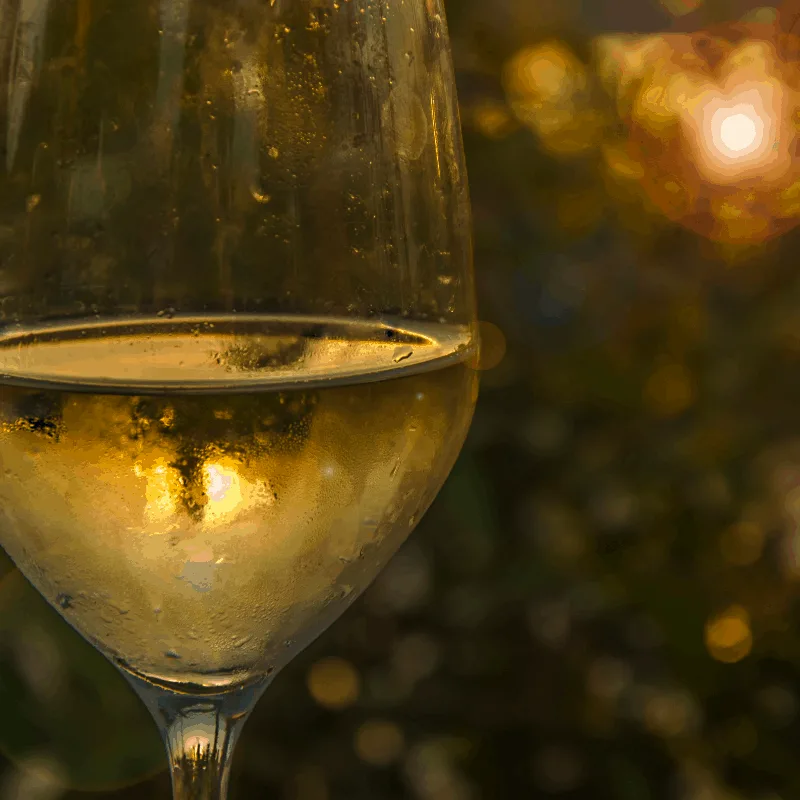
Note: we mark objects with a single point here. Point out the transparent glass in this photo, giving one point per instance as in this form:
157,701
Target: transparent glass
236,327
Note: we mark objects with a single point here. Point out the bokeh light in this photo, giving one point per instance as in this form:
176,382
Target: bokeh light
558,770
709,119
670,390
334,683
37,778
729,638
493,120
493,347
223,487
741,129
379,742
549,90
743,543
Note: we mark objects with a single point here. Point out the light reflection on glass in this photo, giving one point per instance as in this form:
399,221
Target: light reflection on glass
226,492
229,493
161,490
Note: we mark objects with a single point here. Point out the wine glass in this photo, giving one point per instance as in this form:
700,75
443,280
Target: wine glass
237,327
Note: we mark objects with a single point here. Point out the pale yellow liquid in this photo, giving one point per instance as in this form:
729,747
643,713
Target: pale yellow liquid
199,498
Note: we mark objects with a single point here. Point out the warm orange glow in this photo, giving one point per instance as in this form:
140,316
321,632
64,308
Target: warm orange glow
711,127
742,130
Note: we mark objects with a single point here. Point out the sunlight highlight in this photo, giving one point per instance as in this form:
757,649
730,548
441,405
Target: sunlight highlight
223,488
709,127
229,493
739,133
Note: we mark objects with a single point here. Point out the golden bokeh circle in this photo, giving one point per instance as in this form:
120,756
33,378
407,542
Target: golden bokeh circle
334,683
729,637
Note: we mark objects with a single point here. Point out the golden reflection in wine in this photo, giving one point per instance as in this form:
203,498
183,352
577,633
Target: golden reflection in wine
199,533
161,490
226,491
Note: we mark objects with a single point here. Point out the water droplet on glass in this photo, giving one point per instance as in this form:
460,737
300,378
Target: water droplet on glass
273,152
172,654
259,196
402,353
64,601
33,201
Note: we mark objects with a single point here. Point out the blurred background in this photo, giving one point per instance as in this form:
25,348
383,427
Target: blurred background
602,602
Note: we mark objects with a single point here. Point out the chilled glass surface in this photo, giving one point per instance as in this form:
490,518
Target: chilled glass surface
236,327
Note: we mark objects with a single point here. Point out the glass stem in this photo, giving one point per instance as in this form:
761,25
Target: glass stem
200,732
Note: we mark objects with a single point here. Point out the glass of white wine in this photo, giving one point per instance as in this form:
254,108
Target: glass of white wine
236,327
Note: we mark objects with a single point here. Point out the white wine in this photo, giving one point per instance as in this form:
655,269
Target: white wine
200,497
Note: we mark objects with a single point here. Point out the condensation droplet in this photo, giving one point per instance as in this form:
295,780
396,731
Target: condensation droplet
64,601
259,196
402,354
